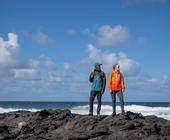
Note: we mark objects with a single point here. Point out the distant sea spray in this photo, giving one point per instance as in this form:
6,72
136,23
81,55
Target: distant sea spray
158,109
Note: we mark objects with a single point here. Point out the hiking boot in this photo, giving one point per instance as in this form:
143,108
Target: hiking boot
113,114
123,113
90,114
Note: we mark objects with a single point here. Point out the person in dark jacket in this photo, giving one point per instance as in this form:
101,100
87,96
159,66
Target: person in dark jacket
98,80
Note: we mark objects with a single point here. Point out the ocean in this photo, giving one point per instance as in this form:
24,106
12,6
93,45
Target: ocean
159,109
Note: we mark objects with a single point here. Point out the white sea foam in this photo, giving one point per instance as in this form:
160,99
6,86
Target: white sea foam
163,112
6,110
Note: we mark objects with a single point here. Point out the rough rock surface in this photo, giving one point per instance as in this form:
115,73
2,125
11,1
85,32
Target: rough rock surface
63,125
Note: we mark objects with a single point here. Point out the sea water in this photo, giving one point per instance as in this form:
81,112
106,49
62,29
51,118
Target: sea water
159,109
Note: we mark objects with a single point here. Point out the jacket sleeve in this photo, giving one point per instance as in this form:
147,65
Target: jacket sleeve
91,76
104,82
122,81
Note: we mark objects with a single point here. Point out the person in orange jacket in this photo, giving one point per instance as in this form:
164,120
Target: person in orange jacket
116,87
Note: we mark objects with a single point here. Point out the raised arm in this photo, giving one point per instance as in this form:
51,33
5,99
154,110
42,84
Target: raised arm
91,76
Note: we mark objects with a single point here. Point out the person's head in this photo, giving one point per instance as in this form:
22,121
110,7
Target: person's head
116,67
97,66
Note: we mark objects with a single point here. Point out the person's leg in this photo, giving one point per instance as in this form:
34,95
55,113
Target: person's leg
121,99
91,100
113,95
99,96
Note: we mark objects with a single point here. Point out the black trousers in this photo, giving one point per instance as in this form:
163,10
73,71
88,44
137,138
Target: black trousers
93,94
121,99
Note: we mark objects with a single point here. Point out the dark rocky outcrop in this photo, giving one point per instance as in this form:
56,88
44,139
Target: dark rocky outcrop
63,125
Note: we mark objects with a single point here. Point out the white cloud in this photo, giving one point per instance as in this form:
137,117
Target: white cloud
41,62
9,51
86,31
66,65
166,83
111,36
39,75
91,33
128,66
13,40
12,67
42,38
39,37
71,31
147,83
53,78
142,83
25,73
114,36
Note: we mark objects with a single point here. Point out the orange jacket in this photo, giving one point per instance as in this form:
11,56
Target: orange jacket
116,81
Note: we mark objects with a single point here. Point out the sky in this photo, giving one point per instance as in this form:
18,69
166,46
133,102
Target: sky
48,48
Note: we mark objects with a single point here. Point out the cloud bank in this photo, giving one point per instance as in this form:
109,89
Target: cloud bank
44,77
128,66
111,36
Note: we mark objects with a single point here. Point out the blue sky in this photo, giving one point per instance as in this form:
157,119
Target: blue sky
48,48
